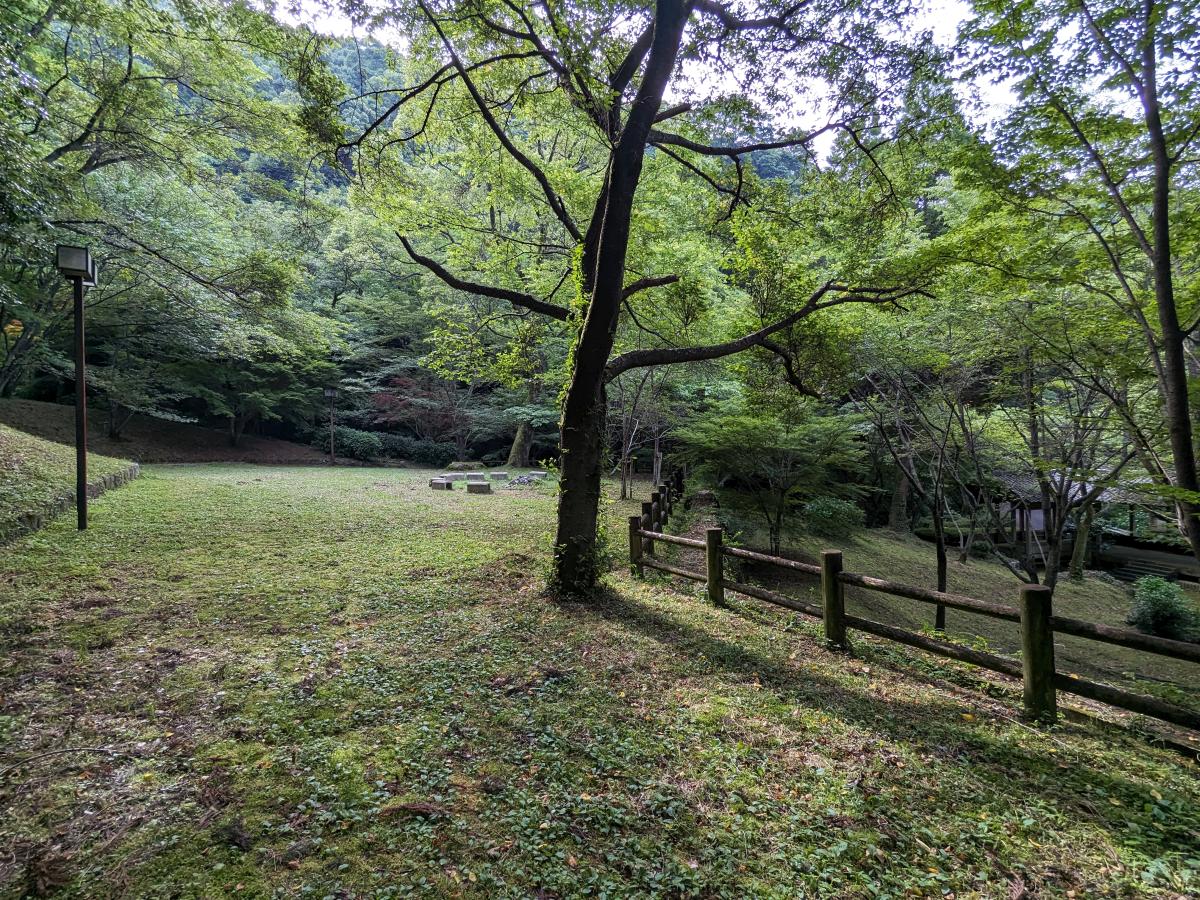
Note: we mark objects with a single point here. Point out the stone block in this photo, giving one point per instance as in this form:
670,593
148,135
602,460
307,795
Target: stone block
539,475
499,476
440,484
478,487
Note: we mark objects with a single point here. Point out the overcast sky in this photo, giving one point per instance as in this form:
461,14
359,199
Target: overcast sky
941,17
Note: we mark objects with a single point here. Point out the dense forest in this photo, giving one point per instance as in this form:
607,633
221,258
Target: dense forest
788,244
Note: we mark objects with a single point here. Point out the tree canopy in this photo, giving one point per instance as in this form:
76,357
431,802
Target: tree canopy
576,231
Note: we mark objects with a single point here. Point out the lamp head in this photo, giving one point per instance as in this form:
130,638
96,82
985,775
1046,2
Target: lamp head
75,262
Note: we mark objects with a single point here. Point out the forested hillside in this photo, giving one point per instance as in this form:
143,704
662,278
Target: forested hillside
837,284
239,280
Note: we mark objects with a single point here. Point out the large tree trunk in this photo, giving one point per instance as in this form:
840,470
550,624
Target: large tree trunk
518,455
576,552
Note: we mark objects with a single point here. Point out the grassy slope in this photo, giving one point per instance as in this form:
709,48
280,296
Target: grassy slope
147,439
909,560
342,683
34,474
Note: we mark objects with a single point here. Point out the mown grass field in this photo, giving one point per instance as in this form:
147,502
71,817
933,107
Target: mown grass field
249,681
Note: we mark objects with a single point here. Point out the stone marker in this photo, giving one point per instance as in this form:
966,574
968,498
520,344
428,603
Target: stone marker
478,487
453,476
476,476
499,476
539,475
440,484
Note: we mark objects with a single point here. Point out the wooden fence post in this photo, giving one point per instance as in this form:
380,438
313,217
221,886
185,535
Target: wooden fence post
635,546
833,596
1037,653
648,525
656,511
713,566
664,491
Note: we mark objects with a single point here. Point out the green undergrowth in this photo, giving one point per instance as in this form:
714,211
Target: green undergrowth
35,474
339,683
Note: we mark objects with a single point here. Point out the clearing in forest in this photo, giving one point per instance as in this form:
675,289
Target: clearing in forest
301,681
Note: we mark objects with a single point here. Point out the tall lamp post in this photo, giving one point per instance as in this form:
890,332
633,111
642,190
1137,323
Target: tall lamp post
331,396
77,265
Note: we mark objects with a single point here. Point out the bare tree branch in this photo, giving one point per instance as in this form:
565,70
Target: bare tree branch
516,298
670,355
649,282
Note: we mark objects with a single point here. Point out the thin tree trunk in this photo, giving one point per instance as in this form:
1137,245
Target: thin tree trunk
1083,532
969,540
939,536
898,513
114,419
1175,380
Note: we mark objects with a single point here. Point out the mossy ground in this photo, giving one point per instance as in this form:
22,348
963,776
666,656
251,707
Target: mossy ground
36,473
340,683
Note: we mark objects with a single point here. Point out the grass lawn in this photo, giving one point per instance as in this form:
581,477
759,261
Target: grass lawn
36,473
334,683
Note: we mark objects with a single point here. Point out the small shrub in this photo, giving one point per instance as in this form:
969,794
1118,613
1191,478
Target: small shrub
980,549
352,443
832,517
425,453
1160,607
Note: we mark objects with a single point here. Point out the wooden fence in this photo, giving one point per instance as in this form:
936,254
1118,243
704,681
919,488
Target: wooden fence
1038,624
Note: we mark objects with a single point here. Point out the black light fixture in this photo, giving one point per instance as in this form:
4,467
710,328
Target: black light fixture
76,264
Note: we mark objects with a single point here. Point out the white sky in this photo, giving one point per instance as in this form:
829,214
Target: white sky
984,101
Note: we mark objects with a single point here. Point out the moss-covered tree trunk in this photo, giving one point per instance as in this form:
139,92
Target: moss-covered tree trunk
606,244
518,454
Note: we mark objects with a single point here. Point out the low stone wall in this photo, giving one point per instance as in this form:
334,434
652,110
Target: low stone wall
35,521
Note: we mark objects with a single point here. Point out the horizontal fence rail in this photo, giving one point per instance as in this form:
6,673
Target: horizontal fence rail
1036,669
739,553
926,595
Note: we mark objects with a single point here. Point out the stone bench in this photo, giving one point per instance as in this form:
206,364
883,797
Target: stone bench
499,476
478,487
440,484
453,476
539,475
476,476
